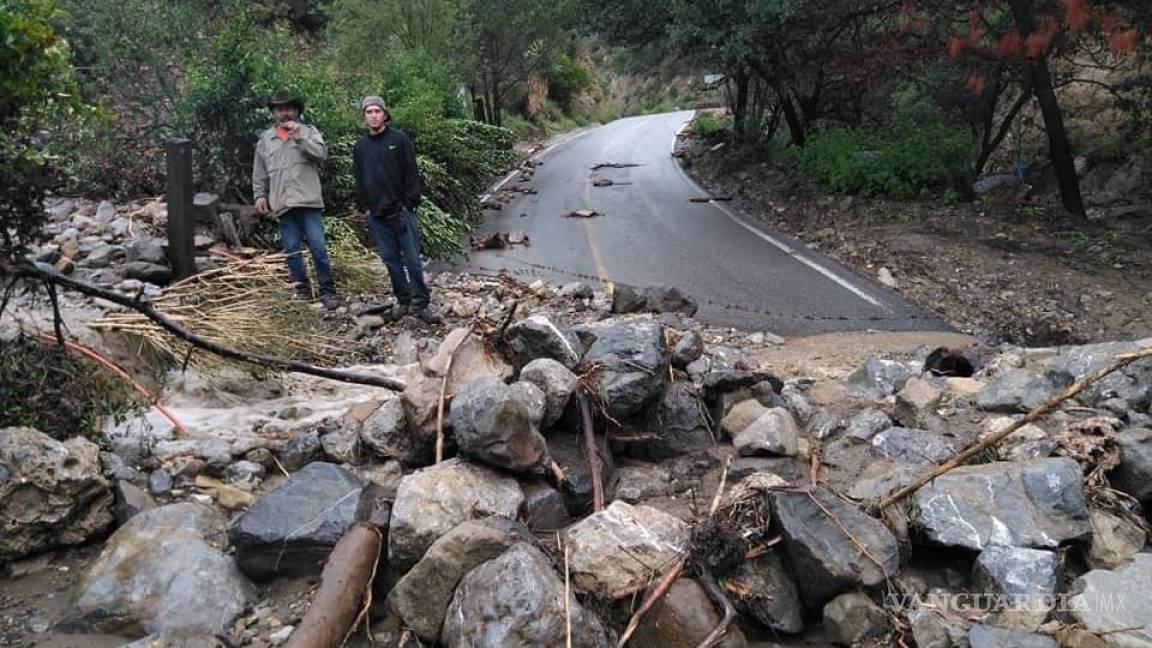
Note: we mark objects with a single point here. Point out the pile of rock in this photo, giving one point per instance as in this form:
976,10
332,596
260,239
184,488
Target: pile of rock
500,543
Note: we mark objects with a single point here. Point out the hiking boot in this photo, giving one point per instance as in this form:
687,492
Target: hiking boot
398,312
302,292
427,316
330,301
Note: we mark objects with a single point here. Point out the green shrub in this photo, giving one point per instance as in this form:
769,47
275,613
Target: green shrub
900,160
708,126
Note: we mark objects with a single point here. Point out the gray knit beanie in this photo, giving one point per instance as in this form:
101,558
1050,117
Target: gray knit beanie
374,101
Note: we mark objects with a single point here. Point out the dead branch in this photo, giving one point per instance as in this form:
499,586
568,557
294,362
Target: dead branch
111,366
655,595
1119,362
344,583
720,489
149,311
592,451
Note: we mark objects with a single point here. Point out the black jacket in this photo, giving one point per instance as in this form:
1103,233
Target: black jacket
386,176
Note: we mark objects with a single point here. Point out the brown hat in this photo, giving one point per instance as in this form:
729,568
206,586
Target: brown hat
286,98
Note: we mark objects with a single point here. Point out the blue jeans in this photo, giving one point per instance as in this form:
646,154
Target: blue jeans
305,225
398,242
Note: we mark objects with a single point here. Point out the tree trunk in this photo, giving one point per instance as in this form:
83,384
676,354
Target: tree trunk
740,107
791,117
1059,149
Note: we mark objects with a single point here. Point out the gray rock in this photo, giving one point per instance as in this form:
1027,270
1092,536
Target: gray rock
866,424
1134,474
422,596
740,416
822,424
655,299
518,600
773,433
618,547
983,636
103,256
851,618
916,404
882,478
1115,539
495,423
533,397
720,382
544,508
52,493
176,641
879,378
539,337
1133,383
1025,578
683,618
772,598
631,357
912,446
246,472
431,501
687,349
935,628
160,562
635,482
679,423
568,451
992,182
341,446
1037,504
824,560
130,500
211,450
116,468
1018,390
1107,600
160,482
105,212
557,383
796,403
291,530
385,432
61,210
300,450
576,290
152,273
147,250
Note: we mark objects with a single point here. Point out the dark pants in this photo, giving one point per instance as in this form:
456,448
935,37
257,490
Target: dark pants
304,225
398,242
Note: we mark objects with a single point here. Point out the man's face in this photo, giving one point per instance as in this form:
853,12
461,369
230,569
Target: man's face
285,113
375,117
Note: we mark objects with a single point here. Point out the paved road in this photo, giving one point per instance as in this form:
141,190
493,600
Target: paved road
743,274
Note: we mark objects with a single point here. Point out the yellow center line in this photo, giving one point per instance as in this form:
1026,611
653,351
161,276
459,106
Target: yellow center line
597,259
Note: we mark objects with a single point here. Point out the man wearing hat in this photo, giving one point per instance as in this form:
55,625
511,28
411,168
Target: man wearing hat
286,184
388,192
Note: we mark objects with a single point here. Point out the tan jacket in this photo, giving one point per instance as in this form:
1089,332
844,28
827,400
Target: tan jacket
287,172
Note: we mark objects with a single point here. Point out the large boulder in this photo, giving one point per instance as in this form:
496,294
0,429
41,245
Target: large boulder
499,425
912,446
291,530
652,299
569,452
1018,390
518,600
682,619
1107,600
916,404
52,493
678,422
1025,578
880,378
470,360
1038,504
385,432
1115,539
630,357
538,337
422,596
432,501
159,573
768,593
617,548
866,424
147,249
851,618
824,559
557,383
1134,474
773,433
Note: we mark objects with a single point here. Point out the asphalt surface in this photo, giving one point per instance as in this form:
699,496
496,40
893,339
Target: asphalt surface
743,273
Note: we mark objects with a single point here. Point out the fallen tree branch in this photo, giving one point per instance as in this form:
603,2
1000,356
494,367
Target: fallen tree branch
592,451
344,584
111,366
1119,362
149,311
650,600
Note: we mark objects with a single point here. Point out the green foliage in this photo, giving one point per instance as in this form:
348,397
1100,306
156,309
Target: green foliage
440,232
37,95
899,160
567,79
63,396
708,126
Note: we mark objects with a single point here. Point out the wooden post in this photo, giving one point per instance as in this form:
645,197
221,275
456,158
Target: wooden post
181,220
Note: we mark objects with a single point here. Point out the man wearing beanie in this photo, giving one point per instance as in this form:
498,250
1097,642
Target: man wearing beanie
286,183
388,193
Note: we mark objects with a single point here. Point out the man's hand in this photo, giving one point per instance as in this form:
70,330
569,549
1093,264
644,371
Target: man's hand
262,206
291,126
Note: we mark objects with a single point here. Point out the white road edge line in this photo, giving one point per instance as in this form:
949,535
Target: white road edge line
782,246
539,156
